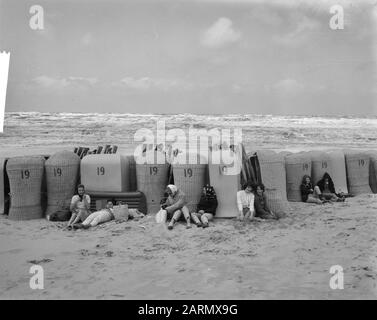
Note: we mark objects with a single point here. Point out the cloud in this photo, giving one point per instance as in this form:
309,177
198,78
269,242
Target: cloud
51,82
147,83
304,27
220,34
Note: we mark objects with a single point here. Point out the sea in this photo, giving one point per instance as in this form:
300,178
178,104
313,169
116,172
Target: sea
36,132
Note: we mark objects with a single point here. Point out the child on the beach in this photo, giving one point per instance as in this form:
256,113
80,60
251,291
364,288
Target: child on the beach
260,204
206,208
245,202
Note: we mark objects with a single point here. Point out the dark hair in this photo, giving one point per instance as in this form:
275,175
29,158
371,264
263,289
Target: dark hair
248,184
321,183
305,177
260,185
80,186
111,200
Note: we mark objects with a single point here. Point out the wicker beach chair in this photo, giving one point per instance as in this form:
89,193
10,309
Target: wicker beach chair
272,171
357,164
190,178
62,170
25,181
321,163
152,180
296,165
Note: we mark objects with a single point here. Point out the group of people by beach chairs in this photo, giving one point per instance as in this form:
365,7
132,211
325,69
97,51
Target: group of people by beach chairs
322,192
251,203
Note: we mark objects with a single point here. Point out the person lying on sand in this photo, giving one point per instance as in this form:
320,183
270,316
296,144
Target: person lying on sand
326,190
245,202
175,205
206,208
97,217
106,215
260,205
80,206
308,193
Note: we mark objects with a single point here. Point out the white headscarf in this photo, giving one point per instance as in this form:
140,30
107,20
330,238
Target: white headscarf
173,188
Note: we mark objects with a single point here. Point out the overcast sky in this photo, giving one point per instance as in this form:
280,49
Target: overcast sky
199,56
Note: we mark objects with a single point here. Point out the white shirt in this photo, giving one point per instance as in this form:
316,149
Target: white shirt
245,200
80,204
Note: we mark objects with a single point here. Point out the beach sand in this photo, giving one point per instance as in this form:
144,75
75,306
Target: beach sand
286,259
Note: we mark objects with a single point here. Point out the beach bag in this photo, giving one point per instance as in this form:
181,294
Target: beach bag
161,216
120,212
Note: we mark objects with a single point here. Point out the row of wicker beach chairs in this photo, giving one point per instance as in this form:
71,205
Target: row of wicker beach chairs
28,181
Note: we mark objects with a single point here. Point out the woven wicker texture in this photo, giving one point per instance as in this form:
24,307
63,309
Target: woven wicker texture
321,163
357,164
152,181
272,169
190,179
25,181
296,165
62,170
276,202
226,182
373,170
338,170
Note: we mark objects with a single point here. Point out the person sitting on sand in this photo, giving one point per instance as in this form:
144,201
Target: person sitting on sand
97,217
206,208
308,193
260,205
245,202
175,205
326,190
80,206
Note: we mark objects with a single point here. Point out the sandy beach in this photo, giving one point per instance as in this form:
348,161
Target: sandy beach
178,76
286,259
